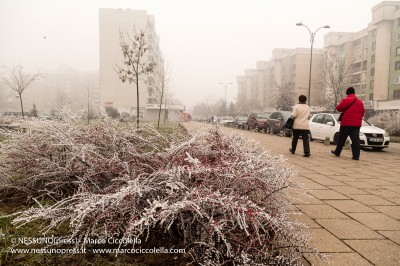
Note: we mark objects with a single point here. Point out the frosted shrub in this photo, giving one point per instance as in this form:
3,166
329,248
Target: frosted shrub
388,121
215,195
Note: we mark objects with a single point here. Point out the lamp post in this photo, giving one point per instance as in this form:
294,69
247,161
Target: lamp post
226,86
312,36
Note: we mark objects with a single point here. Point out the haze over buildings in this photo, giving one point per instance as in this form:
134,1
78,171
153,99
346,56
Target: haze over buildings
204,42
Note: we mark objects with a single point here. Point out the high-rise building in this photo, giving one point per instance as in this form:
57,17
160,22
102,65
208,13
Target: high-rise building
113,92
371,58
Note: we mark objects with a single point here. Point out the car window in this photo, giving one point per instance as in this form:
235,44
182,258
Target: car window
328,118
318,119
262,115
273,116
286,114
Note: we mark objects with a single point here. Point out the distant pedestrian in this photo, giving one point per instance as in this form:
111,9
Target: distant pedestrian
300,114
353,113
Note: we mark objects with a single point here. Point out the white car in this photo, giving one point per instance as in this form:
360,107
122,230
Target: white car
324,125
226,120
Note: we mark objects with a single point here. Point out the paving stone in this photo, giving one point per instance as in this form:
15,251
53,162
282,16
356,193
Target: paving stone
305,220
327,181
349,206
340,259
376,221
305,199
379,252
342,178
360,184
300,179
321,211
327,194
348,229
348,190
314,185
392,188
377,182
385,193
392,235
371,200
394,200
392,211
324,241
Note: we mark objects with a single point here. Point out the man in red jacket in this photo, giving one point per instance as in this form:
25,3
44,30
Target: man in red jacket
354,110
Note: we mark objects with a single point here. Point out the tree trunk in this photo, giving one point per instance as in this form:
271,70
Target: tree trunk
159,110
22,106
137,100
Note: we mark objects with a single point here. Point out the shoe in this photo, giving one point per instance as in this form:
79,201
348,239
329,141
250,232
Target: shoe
333,152
307,155
357,159
291,151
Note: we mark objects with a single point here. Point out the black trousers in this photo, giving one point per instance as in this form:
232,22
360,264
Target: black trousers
304,135
354,134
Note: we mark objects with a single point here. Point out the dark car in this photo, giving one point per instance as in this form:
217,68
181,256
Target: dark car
240,122
257,121
276,123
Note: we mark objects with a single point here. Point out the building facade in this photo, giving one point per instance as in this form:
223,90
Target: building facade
113,92
287,67
372,64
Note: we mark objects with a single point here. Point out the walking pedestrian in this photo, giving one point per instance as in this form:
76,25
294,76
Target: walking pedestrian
353,112
300,114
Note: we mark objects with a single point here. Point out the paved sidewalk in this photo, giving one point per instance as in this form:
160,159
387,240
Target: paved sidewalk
354,206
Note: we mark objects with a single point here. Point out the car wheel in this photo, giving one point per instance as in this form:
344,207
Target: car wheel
377,148
246,127
286,132
336,138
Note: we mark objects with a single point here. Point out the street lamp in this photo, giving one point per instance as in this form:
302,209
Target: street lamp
226,86
312,36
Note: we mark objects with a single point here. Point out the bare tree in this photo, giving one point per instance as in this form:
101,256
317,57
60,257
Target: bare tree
334,71
165,75
17,80
134,49
284,96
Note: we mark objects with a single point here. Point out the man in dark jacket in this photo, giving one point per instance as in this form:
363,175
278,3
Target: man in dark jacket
354,110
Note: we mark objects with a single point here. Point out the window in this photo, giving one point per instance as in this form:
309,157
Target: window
398,51
398,22
371,84
398,36
373,46
397,80
318,118
396,94
373,58
372,71
374,33
274,116
328,118
371,96
397,65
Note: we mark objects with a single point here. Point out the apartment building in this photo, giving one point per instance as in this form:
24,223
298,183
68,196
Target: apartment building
113,92
371,56
287,66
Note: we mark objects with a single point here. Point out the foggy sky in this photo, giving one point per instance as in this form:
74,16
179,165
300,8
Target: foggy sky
204,42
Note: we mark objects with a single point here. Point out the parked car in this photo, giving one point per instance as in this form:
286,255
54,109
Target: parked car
257,121
240,122
324,125
227,121
276,123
